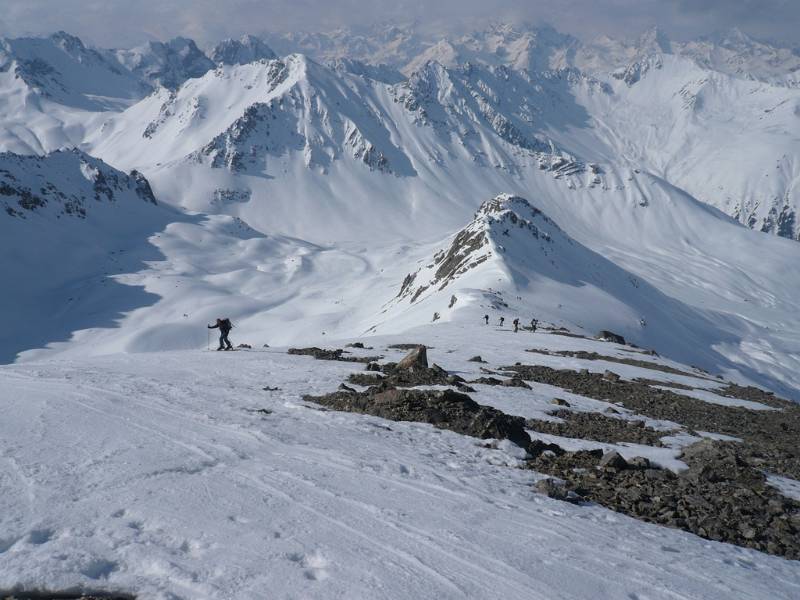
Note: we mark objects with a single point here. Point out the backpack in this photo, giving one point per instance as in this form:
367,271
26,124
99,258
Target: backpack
226,324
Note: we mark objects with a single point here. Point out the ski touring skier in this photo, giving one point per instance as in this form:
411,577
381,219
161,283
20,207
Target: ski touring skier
534,323
502,320
224,326
486,318
516,325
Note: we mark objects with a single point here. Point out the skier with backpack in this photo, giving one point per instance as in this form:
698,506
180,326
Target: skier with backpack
224,326
486,318
516,325
534,323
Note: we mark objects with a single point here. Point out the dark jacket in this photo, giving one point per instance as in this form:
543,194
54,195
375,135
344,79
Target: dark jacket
224,325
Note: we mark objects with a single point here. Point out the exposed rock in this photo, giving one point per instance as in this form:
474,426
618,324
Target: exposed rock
613,460
416,359
610,376
338,354
610,336
556,490
722,496
581,354
245,346
477,359
404,346
770,436
446,409
354,345
597,427
559,402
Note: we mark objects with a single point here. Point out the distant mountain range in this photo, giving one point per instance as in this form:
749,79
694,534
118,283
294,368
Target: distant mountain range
300,179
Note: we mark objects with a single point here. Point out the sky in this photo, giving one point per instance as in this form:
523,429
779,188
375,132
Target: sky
121,23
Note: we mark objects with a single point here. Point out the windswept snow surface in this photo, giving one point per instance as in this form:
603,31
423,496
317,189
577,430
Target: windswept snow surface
152,473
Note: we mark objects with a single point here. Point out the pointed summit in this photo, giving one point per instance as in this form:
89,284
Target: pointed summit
654,40
245,50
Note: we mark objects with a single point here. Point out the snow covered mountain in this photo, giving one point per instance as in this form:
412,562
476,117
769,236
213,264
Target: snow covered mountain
537,47
240,52
70,223
60,68
310,164
166,64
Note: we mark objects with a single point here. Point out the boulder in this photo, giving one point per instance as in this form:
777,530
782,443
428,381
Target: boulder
415,359
477,359
610,336
613,460
610,376
639,462
559,402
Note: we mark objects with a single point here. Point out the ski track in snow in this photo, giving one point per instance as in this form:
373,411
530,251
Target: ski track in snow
150,473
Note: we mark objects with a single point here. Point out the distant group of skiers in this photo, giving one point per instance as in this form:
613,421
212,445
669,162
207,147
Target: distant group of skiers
515,322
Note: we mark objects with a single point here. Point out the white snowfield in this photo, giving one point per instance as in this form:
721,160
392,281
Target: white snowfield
155,474
651,191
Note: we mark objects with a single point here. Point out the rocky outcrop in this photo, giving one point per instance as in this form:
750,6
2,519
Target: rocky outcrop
610,336
66,182
769,436
598,427
338,354
445,409
723,496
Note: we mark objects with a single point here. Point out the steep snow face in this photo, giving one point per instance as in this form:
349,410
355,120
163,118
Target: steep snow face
166,64
68,222
245,50
290,132
382,73
269,109
729,142
61,69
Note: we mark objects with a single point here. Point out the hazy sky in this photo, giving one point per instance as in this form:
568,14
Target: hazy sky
116,23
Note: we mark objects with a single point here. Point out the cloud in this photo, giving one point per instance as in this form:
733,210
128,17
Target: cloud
127,22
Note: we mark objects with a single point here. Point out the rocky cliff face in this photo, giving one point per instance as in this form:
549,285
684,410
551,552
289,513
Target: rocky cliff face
66,183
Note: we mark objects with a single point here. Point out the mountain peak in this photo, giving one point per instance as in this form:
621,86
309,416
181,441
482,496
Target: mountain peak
245,50
654,40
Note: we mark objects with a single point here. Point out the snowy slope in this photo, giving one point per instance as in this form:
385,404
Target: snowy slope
156,474
729,142
516,260
60,68
51,88
309,165
68,224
